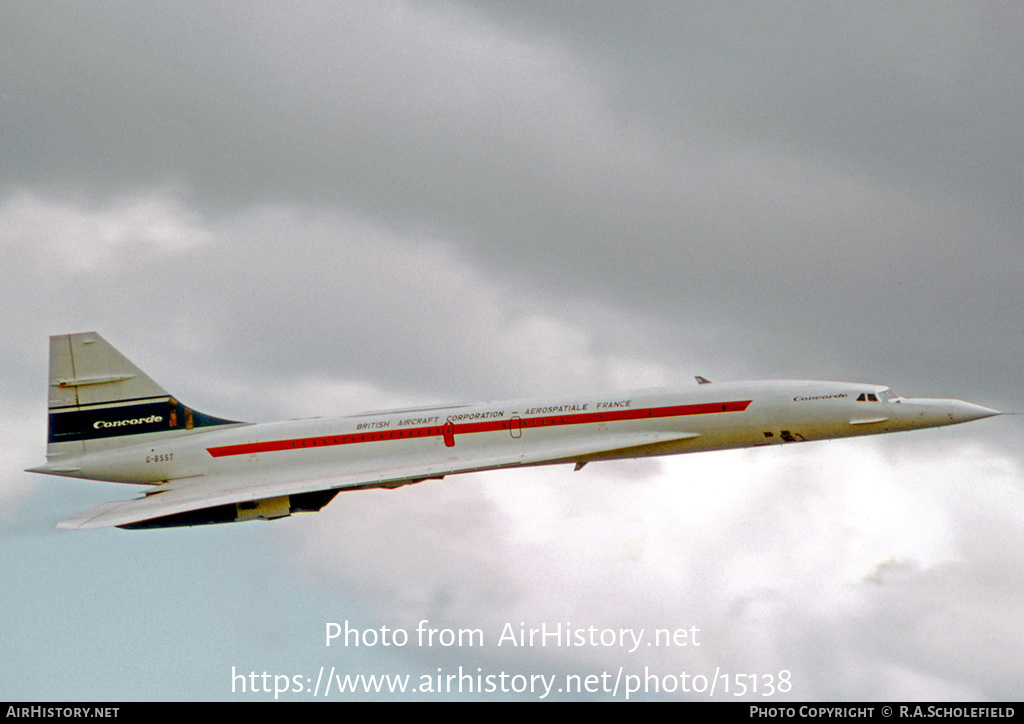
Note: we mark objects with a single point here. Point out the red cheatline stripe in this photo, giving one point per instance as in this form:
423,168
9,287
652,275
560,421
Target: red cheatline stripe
465,428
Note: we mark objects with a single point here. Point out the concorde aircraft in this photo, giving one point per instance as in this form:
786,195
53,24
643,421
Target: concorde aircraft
109,421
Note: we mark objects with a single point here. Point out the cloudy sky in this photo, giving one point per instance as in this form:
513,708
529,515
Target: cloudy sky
291,209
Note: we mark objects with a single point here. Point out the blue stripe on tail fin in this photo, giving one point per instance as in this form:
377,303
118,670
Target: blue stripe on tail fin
99,399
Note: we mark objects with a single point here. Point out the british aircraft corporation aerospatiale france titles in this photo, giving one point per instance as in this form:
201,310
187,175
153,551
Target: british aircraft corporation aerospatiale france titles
109,421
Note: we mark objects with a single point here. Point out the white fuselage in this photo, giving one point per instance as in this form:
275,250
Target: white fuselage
461,438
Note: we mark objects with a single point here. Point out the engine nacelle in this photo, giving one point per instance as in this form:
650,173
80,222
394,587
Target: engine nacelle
263,509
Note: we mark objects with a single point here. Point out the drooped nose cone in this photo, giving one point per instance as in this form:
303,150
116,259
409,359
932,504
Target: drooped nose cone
931,413
966,411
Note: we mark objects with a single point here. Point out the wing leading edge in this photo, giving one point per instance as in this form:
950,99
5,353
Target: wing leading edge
172,501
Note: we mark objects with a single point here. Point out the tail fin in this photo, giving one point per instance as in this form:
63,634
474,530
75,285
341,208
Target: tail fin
100,400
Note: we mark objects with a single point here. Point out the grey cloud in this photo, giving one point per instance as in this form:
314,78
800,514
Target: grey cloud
726,165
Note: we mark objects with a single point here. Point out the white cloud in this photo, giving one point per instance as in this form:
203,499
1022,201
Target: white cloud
22,445
766,552
81,238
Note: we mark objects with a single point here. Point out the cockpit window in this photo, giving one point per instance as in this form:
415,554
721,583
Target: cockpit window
886,395
883,396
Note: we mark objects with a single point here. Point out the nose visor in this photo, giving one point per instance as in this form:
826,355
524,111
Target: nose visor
947,412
